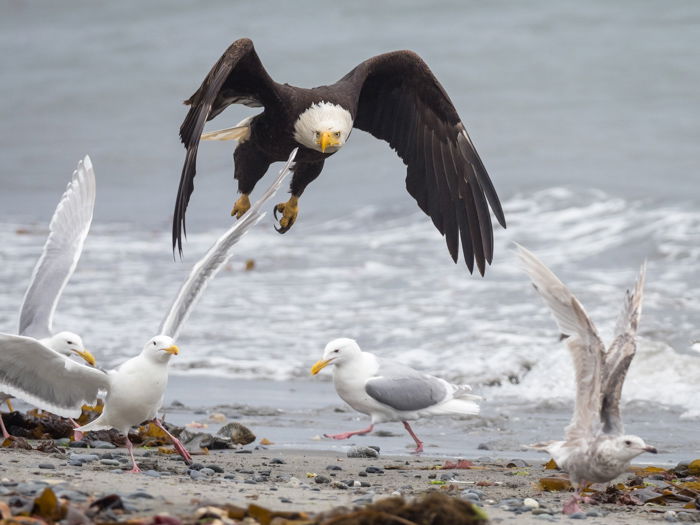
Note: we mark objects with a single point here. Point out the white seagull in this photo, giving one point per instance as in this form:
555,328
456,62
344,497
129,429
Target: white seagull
595,449
68,229
135,389
389,391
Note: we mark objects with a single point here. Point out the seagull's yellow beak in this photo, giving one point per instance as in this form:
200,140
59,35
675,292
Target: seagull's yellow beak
172,350
87,356
328,138
320,365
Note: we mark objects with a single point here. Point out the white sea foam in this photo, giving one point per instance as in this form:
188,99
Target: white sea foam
386,280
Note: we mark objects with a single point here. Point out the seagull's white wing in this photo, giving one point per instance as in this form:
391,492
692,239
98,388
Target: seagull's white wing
45,378
69,227
584,343
619,357
215,258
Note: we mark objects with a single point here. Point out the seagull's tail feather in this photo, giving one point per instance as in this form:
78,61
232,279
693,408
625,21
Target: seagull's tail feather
96,424
459,405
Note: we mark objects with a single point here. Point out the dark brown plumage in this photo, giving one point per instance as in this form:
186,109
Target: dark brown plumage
393,96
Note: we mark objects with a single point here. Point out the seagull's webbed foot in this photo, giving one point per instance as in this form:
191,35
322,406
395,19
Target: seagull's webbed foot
242,205
289,211
571,506
77,434
346,435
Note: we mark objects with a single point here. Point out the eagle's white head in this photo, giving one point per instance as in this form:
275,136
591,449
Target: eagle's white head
323,127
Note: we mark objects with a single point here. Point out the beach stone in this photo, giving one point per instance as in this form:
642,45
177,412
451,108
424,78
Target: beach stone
250,481
531,503
277,461
75,463
517,463
117,471
140,494
239,434
339,485
196,466
322,479
102,444
243,451
363,452
152,473
578,516
364,484
78,444
83,458
362,473
285,500
72,495
49,466
374,470
334,467
215,468
687,516
670,516
207,471
196,474
594,514
375,447
539,512
62,442
111,462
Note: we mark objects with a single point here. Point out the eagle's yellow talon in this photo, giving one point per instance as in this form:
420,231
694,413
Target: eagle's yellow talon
242,205
289,211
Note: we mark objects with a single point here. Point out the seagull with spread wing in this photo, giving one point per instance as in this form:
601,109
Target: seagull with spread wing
595,448
394,96
134,390
389,391
68,229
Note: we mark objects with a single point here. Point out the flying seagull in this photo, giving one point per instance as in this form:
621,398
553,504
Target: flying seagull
135,389
393,96
68,229
389,391
595,449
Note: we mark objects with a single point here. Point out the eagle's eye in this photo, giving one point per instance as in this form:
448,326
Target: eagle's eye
317,134
337,134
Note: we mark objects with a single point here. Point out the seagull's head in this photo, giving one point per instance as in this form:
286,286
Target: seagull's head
68,343
161,348
323,127
629,447
337,352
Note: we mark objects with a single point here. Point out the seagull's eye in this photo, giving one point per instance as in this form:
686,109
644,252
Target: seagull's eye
336,350
69,342
154,343
628,442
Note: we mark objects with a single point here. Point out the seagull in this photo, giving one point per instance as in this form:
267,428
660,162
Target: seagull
134,390
389,391
595,449
68,229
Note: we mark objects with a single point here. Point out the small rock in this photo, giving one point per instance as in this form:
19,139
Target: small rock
49,466
538,511
374,470
196,466
362,474
517,463
207,471
102,444
531,503
111,462
578,516
339,485
334,467
215,468
363,452
196,475
74,463
277,461
84,458
239,434
140,494
78,444
285,500
152,473
375,447
322,479
671,516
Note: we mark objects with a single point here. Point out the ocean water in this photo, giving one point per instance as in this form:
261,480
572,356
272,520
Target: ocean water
585,114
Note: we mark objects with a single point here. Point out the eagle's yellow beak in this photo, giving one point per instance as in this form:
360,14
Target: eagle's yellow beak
172,350
87,356
320,365
328,138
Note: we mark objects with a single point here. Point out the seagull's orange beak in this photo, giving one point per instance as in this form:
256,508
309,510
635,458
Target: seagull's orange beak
87,356
172,350
320,365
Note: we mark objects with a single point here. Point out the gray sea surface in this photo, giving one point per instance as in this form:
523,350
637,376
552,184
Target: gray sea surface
586,116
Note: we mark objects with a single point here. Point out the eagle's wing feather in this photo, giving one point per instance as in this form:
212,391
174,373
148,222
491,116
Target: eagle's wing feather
237,77
401,101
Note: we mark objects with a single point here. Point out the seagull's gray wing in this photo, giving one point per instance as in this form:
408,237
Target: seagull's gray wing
45,378
215,258
69,227
403,388
619,357
584,343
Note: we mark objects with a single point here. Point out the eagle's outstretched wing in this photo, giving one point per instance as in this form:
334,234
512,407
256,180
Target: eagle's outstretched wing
400,101
237,77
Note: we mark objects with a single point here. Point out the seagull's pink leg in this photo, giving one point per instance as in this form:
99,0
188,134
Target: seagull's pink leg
346,435
135,468
5,433
77,434
419,443
572,506
176,442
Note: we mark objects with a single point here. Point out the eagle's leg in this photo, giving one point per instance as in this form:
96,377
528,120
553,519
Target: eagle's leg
304,173
250,165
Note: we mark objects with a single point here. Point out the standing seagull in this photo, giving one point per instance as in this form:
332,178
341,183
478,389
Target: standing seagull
135,389
68,229
393,96
389,391
595,450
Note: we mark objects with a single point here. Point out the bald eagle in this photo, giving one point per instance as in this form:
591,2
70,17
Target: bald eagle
393,96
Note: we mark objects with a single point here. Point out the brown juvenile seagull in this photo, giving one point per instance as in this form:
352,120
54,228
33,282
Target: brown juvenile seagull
393,96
